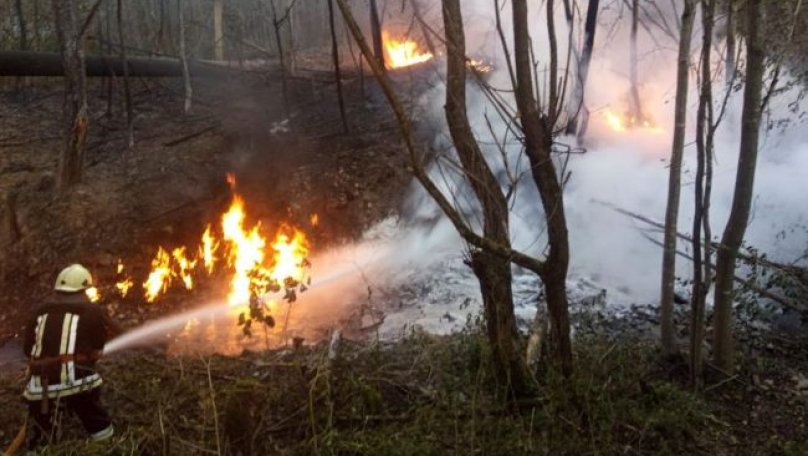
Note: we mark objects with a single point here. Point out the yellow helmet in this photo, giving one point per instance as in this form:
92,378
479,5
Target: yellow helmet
73,278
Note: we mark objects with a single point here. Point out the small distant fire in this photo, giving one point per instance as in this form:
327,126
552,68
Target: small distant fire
622,123
404,52
252,263
479,66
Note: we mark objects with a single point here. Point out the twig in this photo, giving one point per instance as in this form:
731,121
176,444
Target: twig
722,382
189,136
215,411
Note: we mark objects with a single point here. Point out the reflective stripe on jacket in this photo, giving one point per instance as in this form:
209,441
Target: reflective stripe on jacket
63,340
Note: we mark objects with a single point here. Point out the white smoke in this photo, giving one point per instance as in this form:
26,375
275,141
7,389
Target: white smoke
626,169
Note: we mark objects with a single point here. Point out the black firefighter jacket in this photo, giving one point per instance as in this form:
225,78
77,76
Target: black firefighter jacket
63,340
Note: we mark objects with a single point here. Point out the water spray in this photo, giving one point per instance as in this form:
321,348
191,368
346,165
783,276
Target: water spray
149,331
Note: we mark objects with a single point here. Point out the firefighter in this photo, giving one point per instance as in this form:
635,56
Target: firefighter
63,340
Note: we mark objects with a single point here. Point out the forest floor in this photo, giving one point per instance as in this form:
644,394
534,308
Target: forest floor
165,189
421,395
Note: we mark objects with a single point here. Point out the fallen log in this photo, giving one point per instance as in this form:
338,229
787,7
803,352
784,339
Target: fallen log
49,64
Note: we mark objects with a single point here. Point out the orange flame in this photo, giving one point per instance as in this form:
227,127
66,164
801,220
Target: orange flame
400,53
208,250
159,277
255,265
184,267
125,283
246,251
623,123
93,294
124,286
291,250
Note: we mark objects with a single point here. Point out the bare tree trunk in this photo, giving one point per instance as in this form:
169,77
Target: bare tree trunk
636,106
577,103
729,58
279,42
735,229
376,32
416,11
186,76
22,25
21,82
218,30
337,72
127,93
290,34
701,269
483,244
674,181
537,130
37,39
103,47
493,272
66,21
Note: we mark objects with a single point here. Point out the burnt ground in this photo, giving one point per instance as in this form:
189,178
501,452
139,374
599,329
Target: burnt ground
166,188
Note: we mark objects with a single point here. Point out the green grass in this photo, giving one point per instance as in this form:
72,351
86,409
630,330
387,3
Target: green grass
424,395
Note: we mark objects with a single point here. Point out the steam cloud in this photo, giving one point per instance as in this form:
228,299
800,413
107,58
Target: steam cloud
627,169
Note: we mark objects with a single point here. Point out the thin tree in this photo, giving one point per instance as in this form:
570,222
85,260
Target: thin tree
416,11
674,180
576,101
548,269
735,229
23,26
376,33
105,39
729,56
636,105
65,15
492,271
277,22
23,29
186,76
127,92
537,128
218,29
337,72
700,245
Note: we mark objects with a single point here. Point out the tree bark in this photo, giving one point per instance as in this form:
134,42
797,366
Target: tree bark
416,11
537,130
729,58
493,273
65,15
276,22
21,83
186,75
105,48
337,72
127,92
576,102
376,32
701,256
735,229
674,181
636,105
37,40
22,25
218,30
